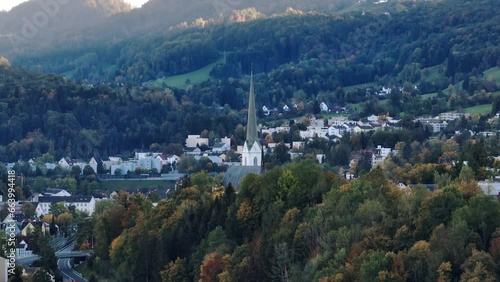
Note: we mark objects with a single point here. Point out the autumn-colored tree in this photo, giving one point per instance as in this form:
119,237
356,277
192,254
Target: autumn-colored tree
479,267
175,271
28,209
4,62
417,261
64,221
444,272
211,267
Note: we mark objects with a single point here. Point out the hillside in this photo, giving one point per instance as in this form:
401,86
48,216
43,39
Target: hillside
36,24
345,50
127,89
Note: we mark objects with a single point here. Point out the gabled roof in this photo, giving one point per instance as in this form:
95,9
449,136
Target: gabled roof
70,199
53,190
235,174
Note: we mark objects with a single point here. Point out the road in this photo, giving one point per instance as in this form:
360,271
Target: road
64,255
68,272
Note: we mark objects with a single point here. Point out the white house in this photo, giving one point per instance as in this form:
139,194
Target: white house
313,131
107,163
298,145
451,115
220,147
144,154
22,250
56,193
93,164
67,163
167,159
265,110
336,130
195,140
226,140
83,204
380,155
385,90
338,120
50,166
323,107
372,118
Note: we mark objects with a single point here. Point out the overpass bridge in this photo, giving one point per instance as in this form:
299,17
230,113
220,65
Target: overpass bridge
28,260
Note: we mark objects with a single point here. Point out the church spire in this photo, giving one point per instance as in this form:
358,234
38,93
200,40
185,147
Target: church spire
252,116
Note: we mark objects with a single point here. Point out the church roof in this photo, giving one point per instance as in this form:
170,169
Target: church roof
252,117
235,174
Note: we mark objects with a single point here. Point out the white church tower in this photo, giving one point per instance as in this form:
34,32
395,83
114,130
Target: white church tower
252,150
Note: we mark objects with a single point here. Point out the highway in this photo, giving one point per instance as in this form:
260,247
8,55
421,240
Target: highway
68,272
64,255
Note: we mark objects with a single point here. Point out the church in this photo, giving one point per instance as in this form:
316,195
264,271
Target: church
252,154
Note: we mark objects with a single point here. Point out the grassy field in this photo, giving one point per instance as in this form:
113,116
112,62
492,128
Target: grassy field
433,73
134,184
493,74
85,271
480,109
359,86
428,96
179,81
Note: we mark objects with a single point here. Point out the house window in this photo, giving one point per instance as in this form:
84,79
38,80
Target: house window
255,161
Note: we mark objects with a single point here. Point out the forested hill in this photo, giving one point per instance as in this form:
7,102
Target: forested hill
298,223
37,20
42,114
338,50
53,24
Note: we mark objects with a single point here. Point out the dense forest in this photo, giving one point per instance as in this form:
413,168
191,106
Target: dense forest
300,58
329,50
298,223
47,114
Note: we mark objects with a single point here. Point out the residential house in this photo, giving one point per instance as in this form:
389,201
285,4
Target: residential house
380,154
83,204
323,107
298,145
145,154
93,163
108,162
362,128
195,140
386,91
226,140
10,225
67,164
265,110
320,158
312,132
28,229
336,130
220,147
337,120
192,151
372,118
437,125
22,250
56,193
452,116
162,160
